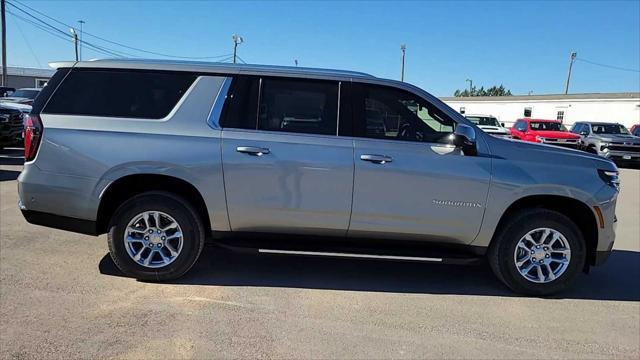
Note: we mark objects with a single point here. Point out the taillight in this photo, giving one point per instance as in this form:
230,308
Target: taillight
32,134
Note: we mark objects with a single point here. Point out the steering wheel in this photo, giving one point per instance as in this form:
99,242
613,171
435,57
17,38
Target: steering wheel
406,132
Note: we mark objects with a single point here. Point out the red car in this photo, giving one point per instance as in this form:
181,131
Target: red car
544,131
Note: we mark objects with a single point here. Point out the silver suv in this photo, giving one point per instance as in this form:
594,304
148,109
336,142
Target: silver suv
610,140
162,155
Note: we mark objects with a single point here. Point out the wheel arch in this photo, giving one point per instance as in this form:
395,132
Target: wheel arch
127,186
579,212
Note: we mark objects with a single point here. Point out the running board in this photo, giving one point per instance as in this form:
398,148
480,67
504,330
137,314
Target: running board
364,249
348,255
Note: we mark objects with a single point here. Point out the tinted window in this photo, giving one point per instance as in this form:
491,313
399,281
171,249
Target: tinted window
394,114
24,93
615,129
298,106
119,93
577,128
483,120
241,105
547,126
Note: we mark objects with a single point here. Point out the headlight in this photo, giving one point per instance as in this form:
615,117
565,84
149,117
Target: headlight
539,138
611,178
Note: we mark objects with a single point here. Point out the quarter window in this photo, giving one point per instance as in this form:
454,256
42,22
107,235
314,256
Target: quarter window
119,93
394,114
298,106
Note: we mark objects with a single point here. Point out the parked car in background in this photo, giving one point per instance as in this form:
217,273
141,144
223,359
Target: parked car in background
6,91
314,162
635,130
489,124
22,96
550,132
11,126
610,140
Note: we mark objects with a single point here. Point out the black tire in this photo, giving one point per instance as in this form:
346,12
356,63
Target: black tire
502,250
178,208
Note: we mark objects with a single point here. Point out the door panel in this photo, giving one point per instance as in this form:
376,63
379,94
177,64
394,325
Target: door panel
410,182
427,191
299,184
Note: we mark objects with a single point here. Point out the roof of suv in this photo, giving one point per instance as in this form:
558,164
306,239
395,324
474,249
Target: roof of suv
212,67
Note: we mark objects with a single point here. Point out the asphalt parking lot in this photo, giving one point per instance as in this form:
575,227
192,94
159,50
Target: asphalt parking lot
61,297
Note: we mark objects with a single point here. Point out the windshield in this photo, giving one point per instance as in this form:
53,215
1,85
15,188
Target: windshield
484,120
29,94
609,129
547,126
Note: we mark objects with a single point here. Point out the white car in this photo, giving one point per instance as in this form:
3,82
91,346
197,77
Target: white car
489,124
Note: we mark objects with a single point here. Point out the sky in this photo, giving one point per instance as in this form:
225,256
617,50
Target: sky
524,45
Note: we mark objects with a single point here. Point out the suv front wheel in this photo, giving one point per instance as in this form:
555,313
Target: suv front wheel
538,252
155,236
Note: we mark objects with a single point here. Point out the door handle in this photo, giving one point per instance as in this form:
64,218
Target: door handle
376,159
251,150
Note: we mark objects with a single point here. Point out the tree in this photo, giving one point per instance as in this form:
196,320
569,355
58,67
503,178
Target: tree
492,91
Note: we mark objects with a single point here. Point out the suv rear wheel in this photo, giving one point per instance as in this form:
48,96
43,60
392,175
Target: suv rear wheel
155,236
538,252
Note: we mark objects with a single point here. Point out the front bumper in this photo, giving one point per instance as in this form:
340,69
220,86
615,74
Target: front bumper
620,155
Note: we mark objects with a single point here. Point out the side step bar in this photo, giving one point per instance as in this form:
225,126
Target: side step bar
349,255
364,249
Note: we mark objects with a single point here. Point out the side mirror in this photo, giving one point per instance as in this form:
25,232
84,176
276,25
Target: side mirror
464,137
502,124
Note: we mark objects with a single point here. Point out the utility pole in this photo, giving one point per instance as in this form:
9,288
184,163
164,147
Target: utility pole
470,86
81,22
75,40
403,47
237,39
4,44
572,58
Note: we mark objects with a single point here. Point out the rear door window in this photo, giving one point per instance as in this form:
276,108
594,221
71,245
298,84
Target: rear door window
298,106
119,93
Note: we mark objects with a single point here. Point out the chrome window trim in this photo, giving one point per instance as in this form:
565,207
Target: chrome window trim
213,120
338,111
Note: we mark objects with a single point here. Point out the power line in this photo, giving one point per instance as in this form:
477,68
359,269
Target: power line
26,41
62,35
117,43
42,23
607,66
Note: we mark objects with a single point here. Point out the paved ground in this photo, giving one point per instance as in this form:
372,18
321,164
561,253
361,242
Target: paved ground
61,297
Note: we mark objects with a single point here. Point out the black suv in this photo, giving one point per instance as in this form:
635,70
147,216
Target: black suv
10,126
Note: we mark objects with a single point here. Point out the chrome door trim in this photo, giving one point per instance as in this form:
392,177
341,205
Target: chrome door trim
252,150
376,159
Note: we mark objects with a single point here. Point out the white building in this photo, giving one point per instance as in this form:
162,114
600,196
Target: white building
623,108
